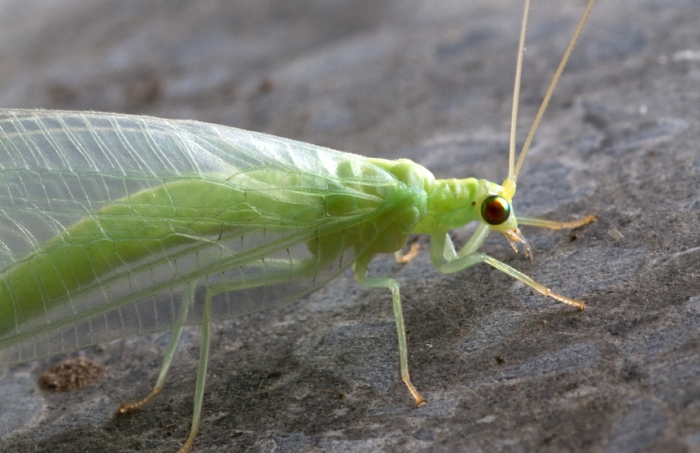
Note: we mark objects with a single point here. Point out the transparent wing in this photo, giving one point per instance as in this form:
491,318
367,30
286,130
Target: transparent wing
105,218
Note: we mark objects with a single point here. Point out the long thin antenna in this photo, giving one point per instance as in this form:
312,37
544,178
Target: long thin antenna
516,93
550,90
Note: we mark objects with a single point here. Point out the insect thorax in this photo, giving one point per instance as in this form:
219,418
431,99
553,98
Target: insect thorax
449,203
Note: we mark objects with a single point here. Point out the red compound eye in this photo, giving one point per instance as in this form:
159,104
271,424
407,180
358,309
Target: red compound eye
495,210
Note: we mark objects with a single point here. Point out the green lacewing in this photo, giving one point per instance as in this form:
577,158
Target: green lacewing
116,225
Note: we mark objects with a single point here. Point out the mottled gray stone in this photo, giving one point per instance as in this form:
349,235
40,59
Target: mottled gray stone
504,370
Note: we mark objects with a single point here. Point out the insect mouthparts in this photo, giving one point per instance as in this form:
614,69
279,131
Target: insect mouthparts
515,237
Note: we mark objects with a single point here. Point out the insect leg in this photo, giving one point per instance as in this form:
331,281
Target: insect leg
302,269
552,225
463,262
403,258
187,301
201,373
360,274
477,238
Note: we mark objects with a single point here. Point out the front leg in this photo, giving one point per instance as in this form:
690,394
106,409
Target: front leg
552,225
437,248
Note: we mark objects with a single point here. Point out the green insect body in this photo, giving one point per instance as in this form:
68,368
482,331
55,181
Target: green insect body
115,225
171,216
350,205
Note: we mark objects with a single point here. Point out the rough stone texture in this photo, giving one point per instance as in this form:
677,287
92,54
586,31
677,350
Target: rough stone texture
504,370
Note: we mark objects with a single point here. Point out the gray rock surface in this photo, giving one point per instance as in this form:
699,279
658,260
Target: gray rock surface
504,370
